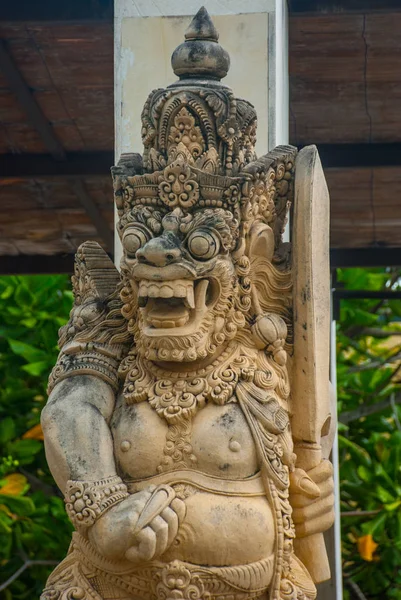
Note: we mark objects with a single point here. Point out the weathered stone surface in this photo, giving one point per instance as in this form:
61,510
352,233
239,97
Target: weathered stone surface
188,463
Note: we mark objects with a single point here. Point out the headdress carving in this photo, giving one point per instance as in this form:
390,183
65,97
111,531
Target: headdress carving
199,145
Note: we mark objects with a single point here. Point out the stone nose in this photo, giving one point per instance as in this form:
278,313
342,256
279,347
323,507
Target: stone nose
159,252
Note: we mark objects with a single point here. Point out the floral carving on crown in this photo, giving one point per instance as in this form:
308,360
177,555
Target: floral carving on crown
185,131
177,188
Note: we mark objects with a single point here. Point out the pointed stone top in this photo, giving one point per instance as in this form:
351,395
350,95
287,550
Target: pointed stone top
201,27
200,56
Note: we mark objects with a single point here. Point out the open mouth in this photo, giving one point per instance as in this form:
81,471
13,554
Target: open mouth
175,304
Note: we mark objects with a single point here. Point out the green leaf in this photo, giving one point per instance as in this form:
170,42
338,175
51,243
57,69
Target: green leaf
36,368
30,353
383,495
7,293
20,505
23,296
25,450
30,322
364,473
393,506
5,523
376,525
7,430
356,450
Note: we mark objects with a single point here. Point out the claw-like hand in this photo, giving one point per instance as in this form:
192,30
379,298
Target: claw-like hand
141,527
312,499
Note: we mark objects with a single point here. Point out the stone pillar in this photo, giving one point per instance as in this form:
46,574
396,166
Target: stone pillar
254,34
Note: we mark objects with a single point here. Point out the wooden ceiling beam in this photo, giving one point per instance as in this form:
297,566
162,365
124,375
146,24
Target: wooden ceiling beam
360,155
49,10
38,166
28,103
88,10
365,257
94,213
340,6
39,122
32,264
81,164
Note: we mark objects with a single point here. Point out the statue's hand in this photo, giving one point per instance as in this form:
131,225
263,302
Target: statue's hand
141,527
312,499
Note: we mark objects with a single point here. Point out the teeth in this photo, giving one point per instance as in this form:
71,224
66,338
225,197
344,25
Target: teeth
201,289
166,292
167,323
180,291
180,288
190,299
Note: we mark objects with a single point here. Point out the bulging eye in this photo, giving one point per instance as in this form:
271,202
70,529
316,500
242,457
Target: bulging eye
134,238
203,244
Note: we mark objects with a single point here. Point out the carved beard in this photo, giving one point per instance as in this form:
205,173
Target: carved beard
219,324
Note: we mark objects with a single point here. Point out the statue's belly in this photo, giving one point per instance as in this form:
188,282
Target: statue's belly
220,530
217,530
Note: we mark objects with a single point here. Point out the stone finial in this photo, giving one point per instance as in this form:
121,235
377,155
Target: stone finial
202,27
201,56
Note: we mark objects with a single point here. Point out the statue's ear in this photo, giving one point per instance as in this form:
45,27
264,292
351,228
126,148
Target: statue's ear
260,241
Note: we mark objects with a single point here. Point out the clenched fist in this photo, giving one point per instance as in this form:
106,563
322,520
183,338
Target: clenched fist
141,527
312,499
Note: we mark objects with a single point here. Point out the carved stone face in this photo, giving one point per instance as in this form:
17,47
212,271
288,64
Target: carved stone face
180,266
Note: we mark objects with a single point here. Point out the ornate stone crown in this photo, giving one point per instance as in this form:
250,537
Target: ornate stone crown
199,144
197,136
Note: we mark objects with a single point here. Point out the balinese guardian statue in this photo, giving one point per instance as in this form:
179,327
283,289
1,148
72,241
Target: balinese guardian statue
188,422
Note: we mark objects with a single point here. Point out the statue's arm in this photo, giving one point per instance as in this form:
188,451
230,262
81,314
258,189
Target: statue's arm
79,446
75,423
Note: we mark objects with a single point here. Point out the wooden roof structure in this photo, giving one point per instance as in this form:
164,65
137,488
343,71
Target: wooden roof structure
57,130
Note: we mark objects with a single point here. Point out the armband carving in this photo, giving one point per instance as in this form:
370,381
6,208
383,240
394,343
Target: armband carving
86,501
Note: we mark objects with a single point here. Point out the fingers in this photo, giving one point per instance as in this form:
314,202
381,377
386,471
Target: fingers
178,506
326,489
317,525
312,513
324,470
173,522
154,539
317,509
301,483
144,548
158,530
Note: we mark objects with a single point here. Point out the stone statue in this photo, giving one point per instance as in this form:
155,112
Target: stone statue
188,416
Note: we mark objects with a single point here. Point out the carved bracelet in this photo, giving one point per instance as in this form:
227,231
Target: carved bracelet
97,361
86,501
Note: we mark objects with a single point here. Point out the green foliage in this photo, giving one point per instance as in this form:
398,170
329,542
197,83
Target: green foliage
33,523
368,359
